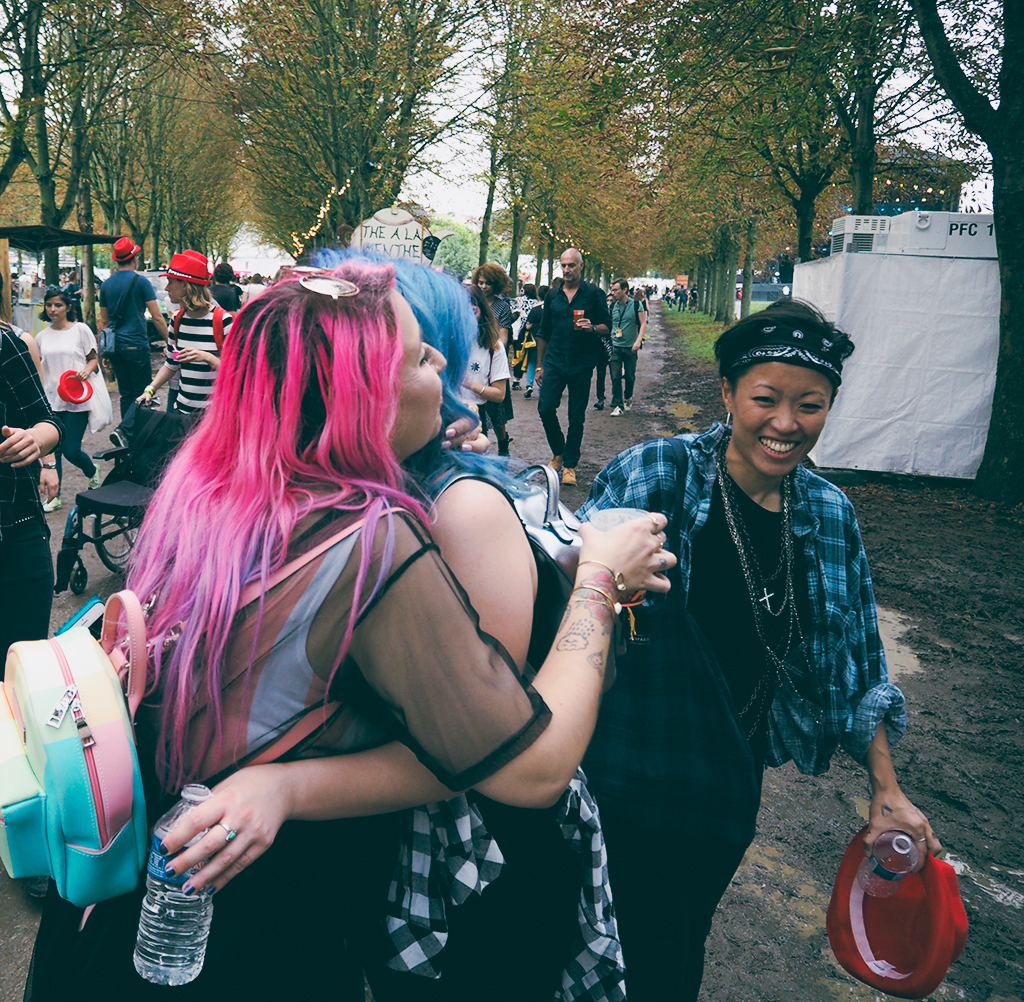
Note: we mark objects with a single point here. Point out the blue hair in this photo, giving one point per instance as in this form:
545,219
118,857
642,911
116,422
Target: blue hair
441,305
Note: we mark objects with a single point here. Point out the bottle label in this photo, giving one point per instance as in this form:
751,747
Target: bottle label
879,870
156,864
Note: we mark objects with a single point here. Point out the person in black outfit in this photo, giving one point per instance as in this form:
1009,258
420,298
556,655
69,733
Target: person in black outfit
28,431
575,318
223,288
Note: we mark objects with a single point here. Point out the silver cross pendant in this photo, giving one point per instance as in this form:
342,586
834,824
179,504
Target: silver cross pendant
764,598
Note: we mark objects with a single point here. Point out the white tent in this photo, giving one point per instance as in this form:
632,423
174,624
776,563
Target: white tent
917,393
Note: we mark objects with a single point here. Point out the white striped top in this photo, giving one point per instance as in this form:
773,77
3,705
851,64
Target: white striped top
196,379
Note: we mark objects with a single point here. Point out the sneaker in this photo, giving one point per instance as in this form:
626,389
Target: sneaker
53,505
616,412
528,393
118,439
628,405
95,480
556,463
569,475
515,384
599,406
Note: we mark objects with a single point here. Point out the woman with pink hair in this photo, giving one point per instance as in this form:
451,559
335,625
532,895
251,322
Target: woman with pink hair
325,387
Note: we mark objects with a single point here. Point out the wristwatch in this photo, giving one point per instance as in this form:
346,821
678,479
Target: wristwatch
48,466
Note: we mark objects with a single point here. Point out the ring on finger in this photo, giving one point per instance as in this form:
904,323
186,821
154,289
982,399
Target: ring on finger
231,833
925,839
654,522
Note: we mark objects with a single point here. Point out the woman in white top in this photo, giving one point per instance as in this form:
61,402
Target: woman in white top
253,289
198,332
64,346
488,374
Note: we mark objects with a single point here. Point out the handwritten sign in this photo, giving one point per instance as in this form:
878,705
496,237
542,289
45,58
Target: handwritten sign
392,232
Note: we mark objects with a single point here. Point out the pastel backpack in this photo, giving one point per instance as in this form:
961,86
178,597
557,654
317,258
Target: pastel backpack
71,799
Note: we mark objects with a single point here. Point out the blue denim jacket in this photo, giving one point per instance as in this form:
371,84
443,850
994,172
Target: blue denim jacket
854,694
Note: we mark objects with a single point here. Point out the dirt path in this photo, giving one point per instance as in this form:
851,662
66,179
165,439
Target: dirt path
947,571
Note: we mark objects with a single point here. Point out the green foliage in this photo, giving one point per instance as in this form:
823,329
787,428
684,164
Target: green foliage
457,253
695,332
336,99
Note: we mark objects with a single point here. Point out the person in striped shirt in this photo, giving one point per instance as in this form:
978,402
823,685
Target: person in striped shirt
193,354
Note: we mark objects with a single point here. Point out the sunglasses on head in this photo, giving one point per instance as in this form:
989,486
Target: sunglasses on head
323,283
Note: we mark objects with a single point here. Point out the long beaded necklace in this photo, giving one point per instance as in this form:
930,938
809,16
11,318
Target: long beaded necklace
757,585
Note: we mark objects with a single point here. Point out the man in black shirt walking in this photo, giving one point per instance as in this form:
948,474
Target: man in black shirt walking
575,319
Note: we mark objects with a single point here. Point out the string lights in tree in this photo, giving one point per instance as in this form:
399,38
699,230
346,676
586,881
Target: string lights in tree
299,242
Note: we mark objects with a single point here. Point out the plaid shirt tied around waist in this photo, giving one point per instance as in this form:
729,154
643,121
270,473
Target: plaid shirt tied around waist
853,694
447,854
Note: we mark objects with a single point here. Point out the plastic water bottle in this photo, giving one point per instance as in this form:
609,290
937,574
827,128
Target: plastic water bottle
893,856
173,927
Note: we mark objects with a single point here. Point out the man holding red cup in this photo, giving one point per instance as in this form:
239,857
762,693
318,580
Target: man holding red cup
574,320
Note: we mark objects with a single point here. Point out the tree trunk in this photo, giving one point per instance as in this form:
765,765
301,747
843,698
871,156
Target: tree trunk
707,272
732,265
805,224
485,226
540,261
551,260
518,232
85,224
749,254
1001,475
718,281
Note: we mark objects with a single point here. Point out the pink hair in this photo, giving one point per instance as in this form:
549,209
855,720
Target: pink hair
305,400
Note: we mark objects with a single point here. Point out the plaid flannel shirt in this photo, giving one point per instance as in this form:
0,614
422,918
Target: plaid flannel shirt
447,854
22,405
854,694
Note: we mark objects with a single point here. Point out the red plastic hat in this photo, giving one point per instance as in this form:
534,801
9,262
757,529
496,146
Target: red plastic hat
902,945
73,390
125,249
189,266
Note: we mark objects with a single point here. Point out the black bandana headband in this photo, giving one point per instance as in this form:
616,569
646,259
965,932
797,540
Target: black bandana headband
782,343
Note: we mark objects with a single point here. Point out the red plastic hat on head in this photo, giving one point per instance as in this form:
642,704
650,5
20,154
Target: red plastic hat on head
902,945
73,390
125,249
189,266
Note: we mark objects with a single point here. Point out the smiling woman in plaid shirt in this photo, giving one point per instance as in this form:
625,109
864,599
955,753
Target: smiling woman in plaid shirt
772,570
28,431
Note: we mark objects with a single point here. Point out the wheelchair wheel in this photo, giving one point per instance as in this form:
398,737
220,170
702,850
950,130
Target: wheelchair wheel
115,550
79,579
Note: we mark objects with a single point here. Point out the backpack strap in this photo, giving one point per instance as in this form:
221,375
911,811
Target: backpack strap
252,591
317,715
133,668
218,326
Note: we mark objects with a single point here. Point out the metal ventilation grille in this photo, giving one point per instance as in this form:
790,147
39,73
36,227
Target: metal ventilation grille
837,243
861,243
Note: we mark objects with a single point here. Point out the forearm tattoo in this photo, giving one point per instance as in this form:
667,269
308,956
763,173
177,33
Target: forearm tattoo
577,637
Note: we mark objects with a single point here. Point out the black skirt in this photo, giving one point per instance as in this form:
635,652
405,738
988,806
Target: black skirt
293,924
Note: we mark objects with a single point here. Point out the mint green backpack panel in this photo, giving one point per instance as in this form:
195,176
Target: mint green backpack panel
71,793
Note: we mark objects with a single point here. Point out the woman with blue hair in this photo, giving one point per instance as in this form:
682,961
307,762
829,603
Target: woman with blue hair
538,874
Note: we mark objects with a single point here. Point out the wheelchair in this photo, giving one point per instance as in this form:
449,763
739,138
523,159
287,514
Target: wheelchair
115,510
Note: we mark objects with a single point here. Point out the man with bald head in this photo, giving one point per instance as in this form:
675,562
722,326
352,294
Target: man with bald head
574,320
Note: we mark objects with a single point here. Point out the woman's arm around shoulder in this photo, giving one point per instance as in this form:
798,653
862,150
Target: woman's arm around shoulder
483,542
